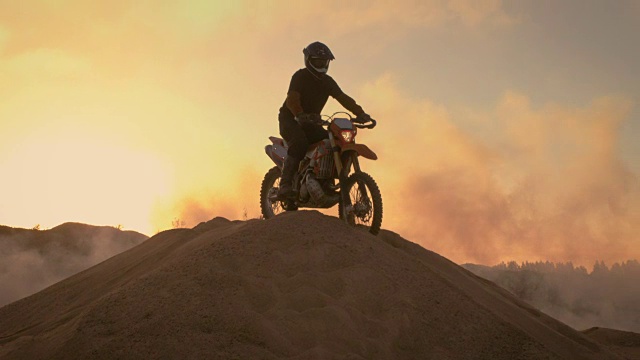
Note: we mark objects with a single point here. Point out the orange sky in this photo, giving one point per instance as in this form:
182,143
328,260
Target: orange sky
506,131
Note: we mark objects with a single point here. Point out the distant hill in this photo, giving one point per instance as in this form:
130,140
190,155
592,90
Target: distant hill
605,297
31,260
299,286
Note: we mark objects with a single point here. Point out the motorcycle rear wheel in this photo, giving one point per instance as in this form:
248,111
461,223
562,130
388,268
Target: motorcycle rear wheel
361,202
270,186
268,190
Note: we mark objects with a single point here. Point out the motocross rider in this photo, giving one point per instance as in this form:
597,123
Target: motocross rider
309,91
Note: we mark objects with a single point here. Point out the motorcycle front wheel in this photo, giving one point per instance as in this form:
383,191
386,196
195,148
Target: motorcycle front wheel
361,202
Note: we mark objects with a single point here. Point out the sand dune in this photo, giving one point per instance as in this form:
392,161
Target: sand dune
300,286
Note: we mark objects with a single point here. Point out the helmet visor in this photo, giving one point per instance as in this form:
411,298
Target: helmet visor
319,63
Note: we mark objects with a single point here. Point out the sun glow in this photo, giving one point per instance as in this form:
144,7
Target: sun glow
83,178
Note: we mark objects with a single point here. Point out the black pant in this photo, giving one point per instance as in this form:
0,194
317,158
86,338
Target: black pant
299,137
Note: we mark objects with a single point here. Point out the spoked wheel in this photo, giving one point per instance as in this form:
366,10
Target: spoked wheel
268,191
361,202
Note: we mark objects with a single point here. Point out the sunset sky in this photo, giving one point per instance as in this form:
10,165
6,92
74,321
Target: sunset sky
507,130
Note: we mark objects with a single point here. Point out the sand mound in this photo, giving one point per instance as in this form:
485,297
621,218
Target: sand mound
622,342
300,286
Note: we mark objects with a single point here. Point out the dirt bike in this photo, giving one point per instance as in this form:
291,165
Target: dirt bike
325,177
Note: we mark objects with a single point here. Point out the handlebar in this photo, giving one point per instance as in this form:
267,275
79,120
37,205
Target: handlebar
360,125
367,124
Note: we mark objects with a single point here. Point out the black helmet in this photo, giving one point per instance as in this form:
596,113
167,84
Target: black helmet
317,56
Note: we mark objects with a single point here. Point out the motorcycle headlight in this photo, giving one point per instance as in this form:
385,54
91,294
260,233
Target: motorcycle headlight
347,135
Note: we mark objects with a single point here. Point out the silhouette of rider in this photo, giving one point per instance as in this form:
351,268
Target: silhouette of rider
309,91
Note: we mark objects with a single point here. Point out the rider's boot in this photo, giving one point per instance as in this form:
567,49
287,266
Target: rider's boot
286,180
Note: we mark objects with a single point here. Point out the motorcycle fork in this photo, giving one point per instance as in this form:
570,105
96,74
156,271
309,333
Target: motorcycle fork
356,163
336,153
353,162
361,185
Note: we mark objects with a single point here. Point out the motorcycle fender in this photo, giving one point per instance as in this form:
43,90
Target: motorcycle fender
360,149
274,156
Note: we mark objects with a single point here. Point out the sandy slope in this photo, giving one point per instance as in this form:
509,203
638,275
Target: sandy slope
300,286
624,343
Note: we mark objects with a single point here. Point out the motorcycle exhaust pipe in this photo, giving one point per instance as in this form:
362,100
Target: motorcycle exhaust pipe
318,195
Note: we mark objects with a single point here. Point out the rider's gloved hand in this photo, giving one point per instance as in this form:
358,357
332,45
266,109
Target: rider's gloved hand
364,118
307,118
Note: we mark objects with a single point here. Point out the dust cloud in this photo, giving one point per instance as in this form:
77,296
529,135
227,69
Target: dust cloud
31,260
193,211
602,297
518,181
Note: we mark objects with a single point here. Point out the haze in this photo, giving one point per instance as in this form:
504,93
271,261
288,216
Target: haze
507,131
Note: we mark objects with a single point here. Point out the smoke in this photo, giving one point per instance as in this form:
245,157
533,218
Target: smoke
513,182
193,211
31,260
516,181
606,297
232,196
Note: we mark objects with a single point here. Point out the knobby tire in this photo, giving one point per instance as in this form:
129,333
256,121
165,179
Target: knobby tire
359,179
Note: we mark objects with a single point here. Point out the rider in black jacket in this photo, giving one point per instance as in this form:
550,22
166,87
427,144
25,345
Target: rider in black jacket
309,91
